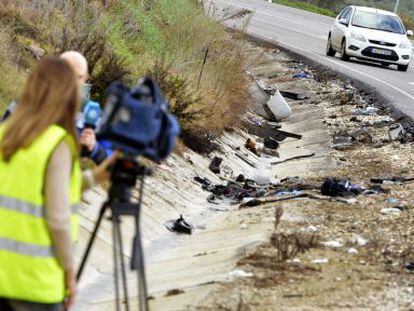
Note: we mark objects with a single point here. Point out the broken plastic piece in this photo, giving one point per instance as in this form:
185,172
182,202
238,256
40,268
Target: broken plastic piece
215,165
396,132
279,107
179,225
303,75
251,146
369,111
271,143
294,96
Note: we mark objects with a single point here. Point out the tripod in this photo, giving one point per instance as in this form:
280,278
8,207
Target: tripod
123,178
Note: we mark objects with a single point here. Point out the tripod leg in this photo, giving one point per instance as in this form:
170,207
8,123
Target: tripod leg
123,270
142,284
91,240
138,255
115,260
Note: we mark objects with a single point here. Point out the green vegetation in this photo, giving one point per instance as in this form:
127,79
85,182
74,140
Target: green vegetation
307,7
124,40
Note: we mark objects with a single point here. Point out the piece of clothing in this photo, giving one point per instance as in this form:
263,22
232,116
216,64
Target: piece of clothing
17,305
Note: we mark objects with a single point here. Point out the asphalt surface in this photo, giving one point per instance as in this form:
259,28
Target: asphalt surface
306,34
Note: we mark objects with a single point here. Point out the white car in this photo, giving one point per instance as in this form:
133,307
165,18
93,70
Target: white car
370,34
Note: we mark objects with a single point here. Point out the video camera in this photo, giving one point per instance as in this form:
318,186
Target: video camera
137,121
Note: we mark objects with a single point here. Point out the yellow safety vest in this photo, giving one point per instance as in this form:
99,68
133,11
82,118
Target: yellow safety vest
29,269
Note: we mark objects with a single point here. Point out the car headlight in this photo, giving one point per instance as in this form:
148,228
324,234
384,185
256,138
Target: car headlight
405,45
358,37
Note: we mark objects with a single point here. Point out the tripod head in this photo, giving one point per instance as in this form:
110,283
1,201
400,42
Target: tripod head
124,177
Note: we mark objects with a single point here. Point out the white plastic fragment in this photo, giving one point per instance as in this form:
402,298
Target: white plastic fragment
391,211
244,226
332,244
361,241
320,261
352,251
279,107
240,274
311,228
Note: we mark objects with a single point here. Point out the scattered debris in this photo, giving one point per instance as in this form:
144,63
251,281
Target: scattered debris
279,107
240,274
251,146
280,135
320,261
268,200
293,192
361,241
245,159
311,228
179,225
244,227
339,187
271,143
352,251
369,111
294,96
241,178
342,146
391,211
205,183
397,132
409,266
215,165
302,75
309,155
175,291
394,179
333,244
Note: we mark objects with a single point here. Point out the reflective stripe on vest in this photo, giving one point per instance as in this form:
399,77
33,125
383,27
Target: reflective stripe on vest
29,208
29,269
26,248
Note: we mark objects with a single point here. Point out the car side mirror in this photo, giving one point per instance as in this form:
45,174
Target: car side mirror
410,33
343,21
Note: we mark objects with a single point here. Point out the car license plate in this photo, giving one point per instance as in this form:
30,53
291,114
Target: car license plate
381,52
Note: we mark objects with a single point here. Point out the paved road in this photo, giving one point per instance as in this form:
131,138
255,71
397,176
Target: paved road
306,33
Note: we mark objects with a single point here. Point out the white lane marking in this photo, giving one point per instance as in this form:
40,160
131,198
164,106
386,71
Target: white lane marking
341,65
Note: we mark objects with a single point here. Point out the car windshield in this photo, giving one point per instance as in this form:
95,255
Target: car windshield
378,21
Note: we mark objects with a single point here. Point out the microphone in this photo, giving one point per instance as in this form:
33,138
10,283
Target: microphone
91,114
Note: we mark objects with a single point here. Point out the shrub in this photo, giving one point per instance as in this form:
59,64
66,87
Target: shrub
123,40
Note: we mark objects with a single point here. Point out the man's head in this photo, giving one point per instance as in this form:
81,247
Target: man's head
78,63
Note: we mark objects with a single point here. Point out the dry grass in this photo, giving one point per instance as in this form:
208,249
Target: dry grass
126,39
